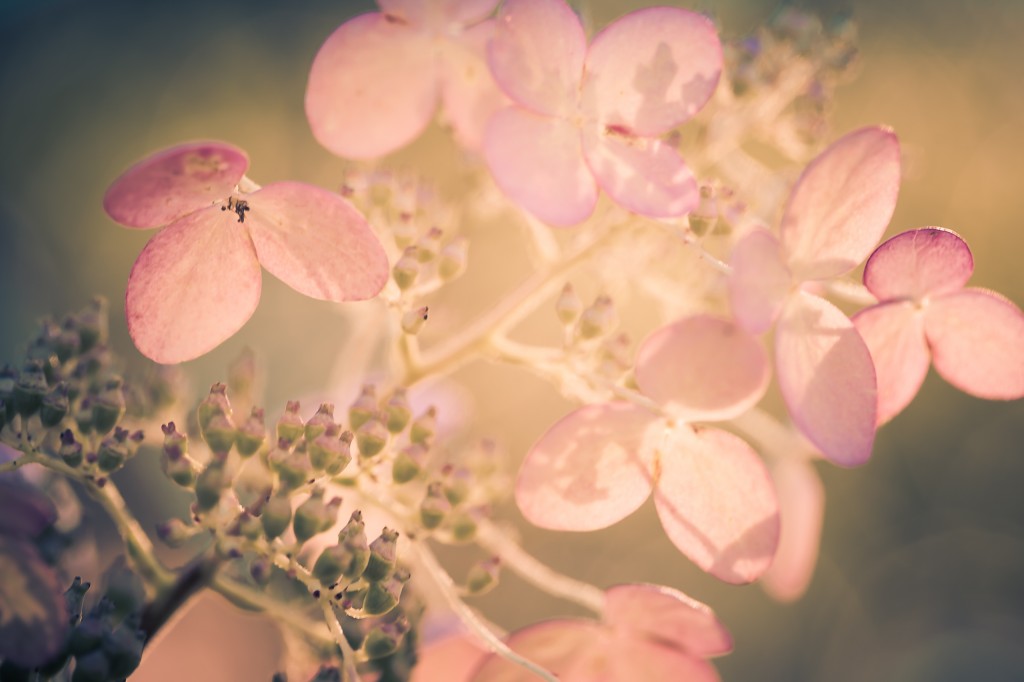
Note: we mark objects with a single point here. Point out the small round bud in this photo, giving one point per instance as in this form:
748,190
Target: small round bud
353,536
111,455
408,463
483,577
364,408
332,563
251,434
457,482
422,430
428,246
124,588
413,320
123,648
396,411
435,506
92,324
597,320
568,306
253,484
383,596
210,484
371,438
407,269
174,532
383,556
70,450
176,463
320,422
216,403
385,638
92,667
331,452
464,524
276,515
290,427
109,406
292,467
705,216
453,259
30,388
55,406
313,516
220,435
261,570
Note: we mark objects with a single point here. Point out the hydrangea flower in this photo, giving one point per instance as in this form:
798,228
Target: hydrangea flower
975,337
835,215
647,632
375,82
712,492
801,514
198,280
587,118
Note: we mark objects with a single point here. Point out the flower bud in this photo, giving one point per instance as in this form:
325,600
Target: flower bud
568,306
428,246
174,532
276,515
219,434
55,406
456,481
331,452
290,427
364,408
332,563
406,269
483,576
70,450
453,259
251,434
261,569
413,320
68,343
435,506
29,388
123,588
92,324
91,667
597,320
383,596
704,217
383,555
371,438
247,526
83,416
253,484
292,467
176,463
108,407
396,411
385,638
123,648
353,536
111,455
313,516
408,463
210,484
216,403
242,374
320,422
464,523
422,430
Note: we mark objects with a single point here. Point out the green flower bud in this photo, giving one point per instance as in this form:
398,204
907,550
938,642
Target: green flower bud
111,455
435,506
124,588
70,450
483,577
67,344
253,484
242,375
320,422
174,532
29,388
220,435
330,451
83,416
92,324
413,320
396,412
251,435
457,482
383,555
210,484
276,515
87,636
292,467
568,306
313,516
422,430
705,215
383,596
406,269
428,246
261,569
364,408
453,259
92,667
8,376
332,563
216,403
248,526
385,638
463,525
408,463
597,320
109,406
123,648
353,536
175,462
55,406
371,438
290,427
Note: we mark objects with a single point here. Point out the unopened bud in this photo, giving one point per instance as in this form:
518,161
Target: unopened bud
124,588
353,536
70,450
383,596
292,467
385,638
413,320
261,569
251,434
435,506
174,532
457,482
210,484
248,526
314,516
176,463
332,563
705,215
331,452
396,411
108,407
29,388
276,515
92,324
364,408
483,577
407,269
428,245
371,438
123,648
422,430
253,484
464,523
290,427
91,667
216,403
55,406
219,434
383,555
453,259
111,455
320,422
408,463
568,306
597,320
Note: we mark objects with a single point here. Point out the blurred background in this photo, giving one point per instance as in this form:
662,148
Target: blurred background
923,549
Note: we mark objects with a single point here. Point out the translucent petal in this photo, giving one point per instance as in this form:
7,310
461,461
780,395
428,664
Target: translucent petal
641,174
801,511
537,55
894,333
977,341
717,504
918,263
629,660
842,204
193,286
703,368
453,659
468,91
591,469
666,615
34,626
538,163
439,13
651,70
372,88
760,281
316,242
558,645
175,181
827,378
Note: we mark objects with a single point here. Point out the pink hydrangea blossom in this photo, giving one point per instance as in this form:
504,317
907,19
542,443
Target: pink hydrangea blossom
375,82
801,513
974,337
835,215
198,280
712,492
585,118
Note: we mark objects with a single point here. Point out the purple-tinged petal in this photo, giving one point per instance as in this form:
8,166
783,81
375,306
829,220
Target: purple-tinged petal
564,647
665,615
24,510
468,91
173,182
651,70
801,512
842,204
316,242
827,378
193,286
703,368
641,174
452,659
894,334
537,55
760,281
977,342
372,88
717,503
538,163
930,261
34,622
591,469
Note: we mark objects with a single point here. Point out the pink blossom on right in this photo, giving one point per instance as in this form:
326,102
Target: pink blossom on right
975,337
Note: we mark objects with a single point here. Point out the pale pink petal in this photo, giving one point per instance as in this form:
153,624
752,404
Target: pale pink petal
977,341
193,286
894,334
441,14
452,659
801,511
651,70
316,242
372,88
918,263
842,204
591,469
717,503
468,91
643,175
538,163
560,646
631,660
537,55
760,281
703,368
668,616
175,181
827,378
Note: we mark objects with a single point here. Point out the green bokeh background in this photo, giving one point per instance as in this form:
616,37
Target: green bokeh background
922,570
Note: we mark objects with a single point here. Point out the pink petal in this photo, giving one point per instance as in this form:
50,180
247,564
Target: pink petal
651,70
894,334
918,263
760,281
193,286
538,163
827,378
703,368
563,647
630,660
537,55
642,175
439,13
468,91
591,469
842,204
717,503
175,181
977,341
668,616
452,659
372,88
801,511
316,242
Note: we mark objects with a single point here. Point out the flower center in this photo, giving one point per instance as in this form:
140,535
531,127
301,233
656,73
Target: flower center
239,206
